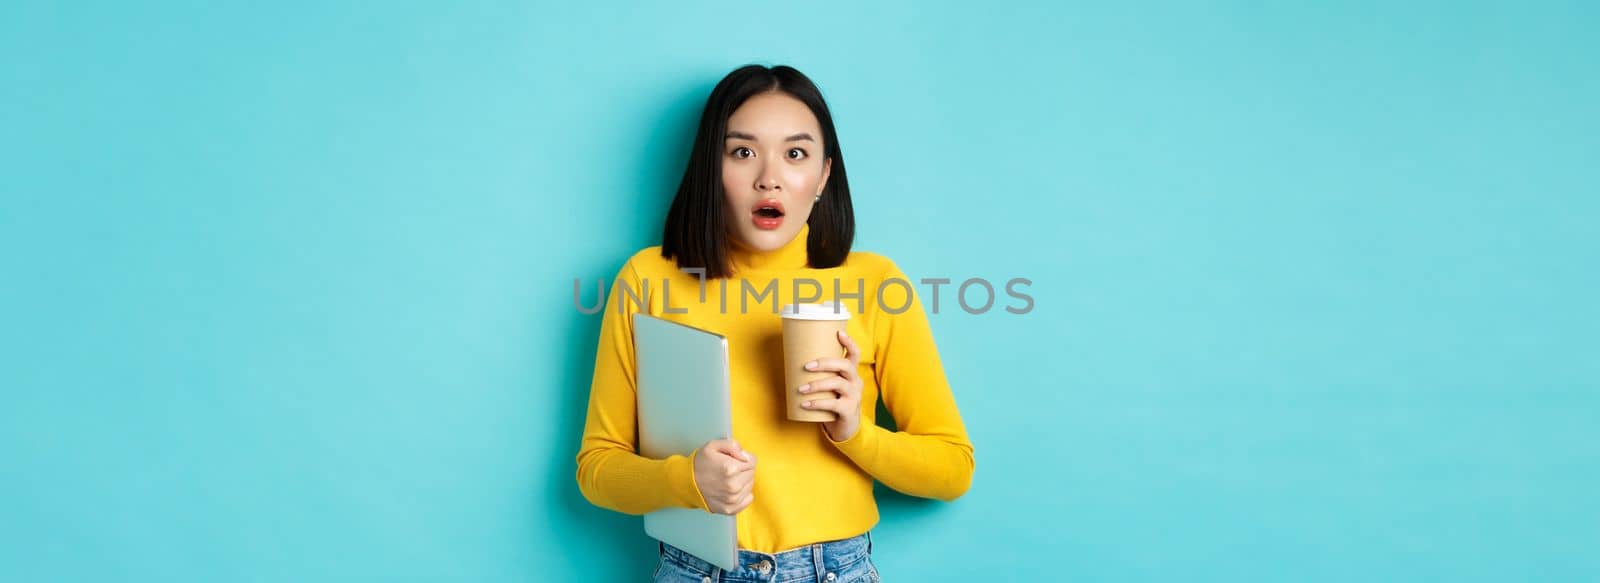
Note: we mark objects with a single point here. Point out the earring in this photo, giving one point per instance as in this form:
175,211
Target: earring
819,197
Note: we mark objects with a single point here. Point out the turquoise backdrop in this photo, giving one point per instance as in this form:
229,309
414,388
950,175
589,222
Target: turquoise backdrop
288,287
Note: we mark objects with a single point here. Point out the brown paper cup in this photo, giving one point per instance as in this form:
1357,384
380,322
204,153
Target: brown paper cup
810,332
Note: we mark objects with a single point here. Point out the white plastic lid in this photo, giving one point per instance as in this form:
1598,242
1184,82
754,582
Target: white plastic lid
827,311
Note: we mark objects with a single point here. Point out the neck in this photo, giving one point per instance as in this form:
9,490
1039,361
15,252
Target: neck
791,255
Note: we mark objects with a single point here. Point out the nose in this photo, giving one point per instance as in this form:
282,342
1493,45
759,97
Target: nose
767,182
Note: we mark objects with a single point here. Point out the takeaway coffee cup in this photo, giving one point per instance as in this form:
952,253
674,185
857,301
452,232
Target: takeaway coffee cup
810,332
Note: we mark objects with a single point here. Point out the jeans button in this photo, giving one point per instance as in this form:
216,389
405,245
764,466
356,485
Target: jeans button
705,580
831,577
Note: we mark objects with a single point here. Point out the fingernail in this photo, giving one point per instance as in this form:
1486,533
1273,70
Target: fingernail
806,404
812,364
804,388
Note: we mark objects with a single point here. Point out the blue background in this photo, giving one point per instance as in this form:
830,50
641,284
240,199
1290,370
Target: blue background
288,288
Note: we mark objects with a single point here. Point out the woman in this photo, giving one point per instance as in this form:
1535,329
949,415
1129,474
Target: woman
764,202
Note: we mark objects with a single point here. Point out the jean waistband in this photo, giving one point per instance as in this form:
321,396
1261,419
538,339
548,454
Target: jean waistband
822,557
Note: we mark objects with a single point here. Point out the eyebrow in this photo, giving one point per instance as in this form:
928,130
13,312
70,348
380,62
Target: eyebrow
744,136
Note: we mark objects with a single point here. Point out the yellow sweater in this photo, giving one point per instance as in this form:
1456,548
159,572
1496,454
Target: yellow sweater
808,488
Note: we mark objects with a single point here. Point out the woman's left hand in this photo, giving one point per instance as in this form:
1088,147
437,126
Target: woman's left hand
846,386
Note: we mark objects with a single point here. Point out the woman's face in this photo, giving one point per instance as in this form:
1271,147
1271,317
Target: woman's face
772,170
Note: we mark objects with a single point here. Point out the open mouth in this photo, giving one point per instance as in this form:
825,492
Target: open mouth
767,215
769,209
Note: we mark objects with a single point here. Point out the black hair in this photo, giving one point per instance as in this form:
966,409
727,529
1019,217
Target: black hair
696,233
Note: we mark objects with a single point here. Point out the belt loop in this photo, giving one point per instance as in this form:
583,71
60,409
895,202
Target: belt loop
817,560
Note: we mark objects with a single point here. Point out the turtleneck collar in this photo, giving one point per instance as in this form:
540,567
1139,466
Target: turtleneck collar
791,255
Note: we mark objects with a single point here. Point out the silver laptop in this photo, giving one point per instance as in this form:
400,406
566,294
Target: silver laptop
684,401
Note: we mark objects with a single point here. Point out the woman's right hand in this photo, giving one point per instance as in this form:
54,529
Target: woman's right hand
726,475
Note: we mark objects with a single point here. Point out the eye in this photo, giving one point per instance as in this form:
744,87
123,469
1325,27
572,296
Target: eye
742,152
794,151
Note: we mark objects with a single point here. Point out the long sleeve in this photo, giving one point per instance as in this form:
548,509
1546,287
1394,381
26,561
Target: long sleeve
930,456
611,474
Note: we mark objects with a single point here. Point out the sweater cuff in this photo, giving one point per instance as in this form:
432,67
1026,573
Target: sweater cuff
680,477
859,443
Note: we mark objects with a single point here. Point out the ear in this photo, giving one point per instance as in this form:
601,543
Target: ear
827,168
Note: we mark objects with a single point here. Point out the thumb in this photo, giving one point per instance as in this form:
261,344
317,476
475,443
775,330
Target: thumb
732,449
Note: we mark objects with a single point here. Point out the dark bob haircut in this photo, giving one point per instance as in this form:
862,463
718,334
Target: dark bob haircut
696,233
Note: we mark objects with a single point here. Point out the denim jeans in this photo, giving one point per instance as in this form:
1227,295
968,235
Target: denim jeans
839,561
